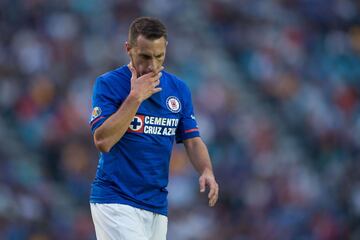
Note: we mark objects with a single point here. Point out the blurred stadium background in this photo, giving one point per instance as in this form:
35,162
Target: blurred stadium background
276,85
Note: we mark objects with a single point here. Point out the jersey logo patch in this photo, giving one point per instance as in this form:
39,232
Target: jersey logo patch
173,104
137,124
95,113
145,124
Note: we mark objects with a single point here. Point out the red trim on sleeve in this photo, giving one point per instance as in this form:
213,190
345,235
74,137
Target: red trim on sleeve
96,120
191,130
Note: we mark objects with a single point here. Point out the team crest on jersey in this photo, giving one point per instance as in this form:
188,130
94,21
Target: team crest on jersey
137,124
173,104
95,113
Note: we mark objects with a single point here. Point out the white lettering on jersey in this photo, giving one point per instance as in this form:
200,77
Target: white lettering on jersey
153,125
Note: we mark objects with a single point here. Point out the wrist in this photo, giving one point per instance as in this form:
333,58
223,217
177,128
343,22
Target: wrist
134,97
207,171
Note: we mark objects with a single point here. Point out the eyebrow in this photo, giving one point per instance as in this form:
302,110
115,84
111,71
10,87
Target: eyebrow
160,55
149,55
145,55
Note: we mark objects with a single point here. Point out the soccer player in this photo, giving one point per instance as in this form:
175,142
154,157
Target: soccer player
138,111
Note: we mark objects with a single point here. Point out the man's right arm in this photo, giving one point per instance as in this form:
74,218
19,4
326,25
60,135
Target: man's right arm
112,130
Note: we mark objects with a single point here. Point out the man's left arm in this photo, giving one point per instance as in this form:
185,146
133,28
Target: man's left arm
200,159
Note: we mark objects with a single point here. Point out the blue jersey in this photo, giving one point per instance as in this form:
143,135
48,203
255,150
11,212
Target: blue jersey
136,169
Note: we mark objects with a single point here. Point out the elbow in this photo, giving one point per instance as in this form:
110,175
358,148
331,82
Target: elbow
102,147
101,144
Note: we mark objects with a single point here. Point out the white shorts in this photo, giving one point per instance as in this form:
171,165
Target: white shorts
123,222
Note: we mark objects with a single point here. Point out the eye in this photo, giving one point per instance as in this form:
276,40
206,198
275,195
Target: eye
144,56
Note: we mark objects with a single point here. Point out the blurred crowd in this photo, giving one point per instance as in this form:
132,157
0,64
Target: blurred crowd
276,88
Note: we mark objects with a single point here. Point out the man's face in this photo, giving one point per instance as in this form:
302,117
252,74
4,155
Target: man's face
147,55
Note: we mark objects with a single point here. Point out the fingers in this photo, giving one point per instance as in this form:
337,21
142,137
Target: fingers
147,76
152,77
202,184
213,189
156,83
213,194
158,71
156,75
147,84
153,74
155,90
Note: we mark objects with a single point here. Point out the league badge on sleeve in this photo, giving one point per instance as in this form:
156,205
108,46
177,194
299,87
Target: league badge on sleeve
173,104
95,113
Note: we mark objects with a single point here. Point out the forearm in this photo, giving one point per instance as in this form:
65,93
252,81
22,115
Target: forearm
112,130
198,155
200,159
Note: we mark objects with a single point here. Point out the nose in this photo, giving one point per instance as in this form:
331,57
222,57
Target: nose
152,65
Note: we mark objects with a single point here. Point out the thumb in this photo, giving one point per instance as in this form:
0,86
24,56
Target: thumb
202,184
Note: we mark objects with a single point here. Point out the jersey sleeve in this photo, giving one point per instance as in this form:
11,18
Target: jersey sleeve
188,127
103,104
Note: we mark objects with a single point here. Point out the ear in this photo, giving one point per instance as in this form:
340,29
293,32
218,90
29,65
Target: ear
127,47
